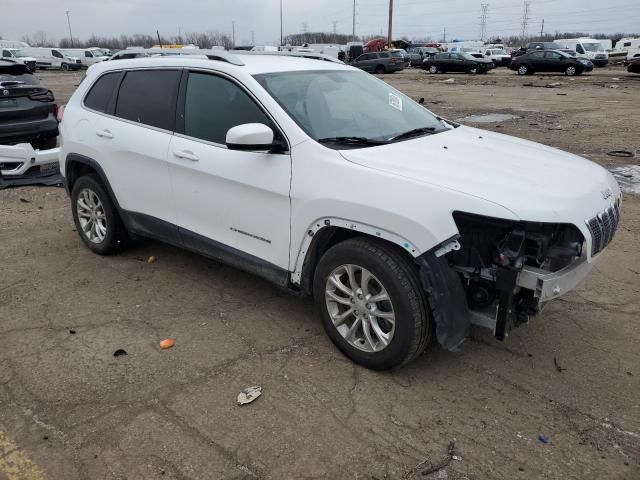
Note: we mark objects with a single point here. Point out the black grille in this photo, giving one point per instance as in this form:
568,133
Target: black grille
603,227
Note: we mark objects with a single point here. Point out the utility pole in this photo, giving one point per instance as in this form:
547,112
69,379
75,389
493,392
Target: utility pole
253,37
390,22
484,7
525,20
445,35
281,44
353,35
69,23
542,30
233,32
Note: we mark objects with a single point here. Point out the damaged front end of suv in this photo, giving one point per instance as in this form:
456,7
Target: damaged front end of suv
508,269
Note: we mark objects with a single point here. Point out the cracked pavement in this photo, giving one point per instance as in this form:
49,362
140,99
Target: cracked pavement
71,410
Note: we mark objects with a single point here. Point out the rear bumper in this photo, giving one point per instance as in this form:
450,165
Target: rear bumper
22,165
28,130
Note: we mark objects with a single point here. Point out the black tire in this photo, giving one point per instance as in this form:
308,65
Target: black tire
65,67
380,69
433,69
116,238
413,321
570,71
523,70
473,70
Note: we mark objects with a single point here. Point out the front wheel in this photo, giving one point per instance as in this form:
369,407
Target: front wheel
523,70
65,67
570,71
473,70
433,69
96,218
371,303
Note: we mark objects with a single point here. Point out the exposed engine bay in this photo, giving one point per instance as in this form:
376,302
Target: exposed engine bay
494,251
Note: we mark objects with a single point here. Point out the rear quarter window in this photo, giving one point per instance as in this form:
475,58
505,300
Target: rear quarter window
149,97
101,92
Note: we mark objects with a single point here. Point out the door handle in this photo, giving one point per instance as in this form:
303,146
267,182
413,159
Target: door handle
186,154
104,134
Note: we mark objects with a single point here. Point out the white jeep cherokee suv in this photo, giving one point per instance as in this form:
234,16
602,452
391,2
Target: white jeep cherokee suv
327,181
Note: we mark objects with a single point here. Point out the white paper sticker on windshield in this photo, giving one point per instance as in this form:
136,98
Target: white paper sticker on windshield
395,101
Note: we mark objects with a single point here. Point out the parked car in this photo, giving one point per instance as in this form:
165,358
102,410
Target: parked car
586,47
87,56
456,62
128,54
379,62
401,53
550,61
418,54
27,116
15,55
634,65
499,56
329,182
52,58
486,62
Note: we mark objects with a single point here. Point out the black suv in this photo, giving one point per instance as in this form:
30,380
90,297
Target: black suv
27,108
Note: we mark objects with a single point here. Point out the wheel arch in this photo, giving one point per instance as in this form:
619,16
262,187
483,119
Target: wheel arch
77,165
327,232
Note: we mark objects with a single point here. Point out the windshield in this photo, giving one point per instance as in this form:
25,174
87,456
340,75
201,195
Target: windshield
347,104
593,47
498,51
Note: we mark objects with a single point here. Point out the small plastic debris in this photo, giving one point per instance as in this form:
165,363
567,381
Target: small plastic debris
24,200
72,332
167,343
449,80
558,367
249,395
544,439
553,85
620,153
151,259
119,353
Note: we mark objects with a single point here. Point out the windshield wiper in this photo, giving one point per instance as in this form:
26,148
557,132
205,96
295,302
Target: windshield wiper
352,140
413,133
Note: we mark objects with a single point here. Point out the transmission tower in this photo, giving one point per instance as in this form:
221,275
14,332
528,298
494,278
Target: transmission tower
484,8
525,20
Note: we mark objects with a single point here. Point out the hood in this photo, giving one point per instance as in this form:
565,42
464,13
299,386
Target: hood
536,182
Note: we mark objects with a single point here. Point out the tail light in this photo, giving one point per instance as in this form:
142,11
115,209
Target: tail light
59,112
43,96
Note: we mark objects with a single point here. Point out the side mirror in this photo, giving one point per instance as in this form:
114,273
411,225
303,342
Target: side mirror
251,136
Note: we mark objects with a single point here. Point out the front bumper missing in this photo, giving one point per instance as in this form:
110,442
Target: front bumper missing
521,294
22,165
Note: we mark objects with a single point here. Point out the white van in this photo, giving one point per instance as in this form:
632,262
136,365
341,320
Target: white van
48,57
586,47
17,56
87,56
12,44
624,45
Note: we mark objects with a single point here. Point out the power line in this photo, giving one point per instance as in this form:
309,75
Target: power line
484,8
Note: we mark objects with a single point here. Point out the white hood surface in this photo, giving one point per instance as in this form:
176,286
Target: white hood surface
536,182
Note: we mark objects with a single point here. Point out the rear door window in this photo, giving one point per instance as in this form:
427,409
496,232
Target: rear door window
149,97
100,94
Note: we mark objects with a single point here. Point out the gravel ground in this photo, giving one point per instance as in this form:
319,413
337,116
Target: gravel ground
71,410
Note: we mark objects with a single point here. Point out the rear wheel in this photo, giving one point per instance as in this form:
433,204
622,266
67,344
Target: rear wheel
433,69
371,303
570,71
96,218
523,70
380,69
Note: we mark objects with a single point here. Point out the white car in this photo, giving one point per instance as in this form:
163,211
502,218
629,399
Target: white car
327,181
499,56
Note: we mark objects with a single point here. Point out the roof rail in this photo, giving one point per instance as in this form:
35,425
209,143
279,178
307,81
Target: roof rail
211,53
286,53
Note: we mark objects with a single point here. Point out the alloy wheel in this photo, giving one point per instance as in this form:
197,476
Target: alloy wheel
360,308
91,215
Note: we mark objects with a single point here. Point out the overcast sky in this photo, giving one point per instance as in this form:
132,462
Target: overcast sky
413,18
